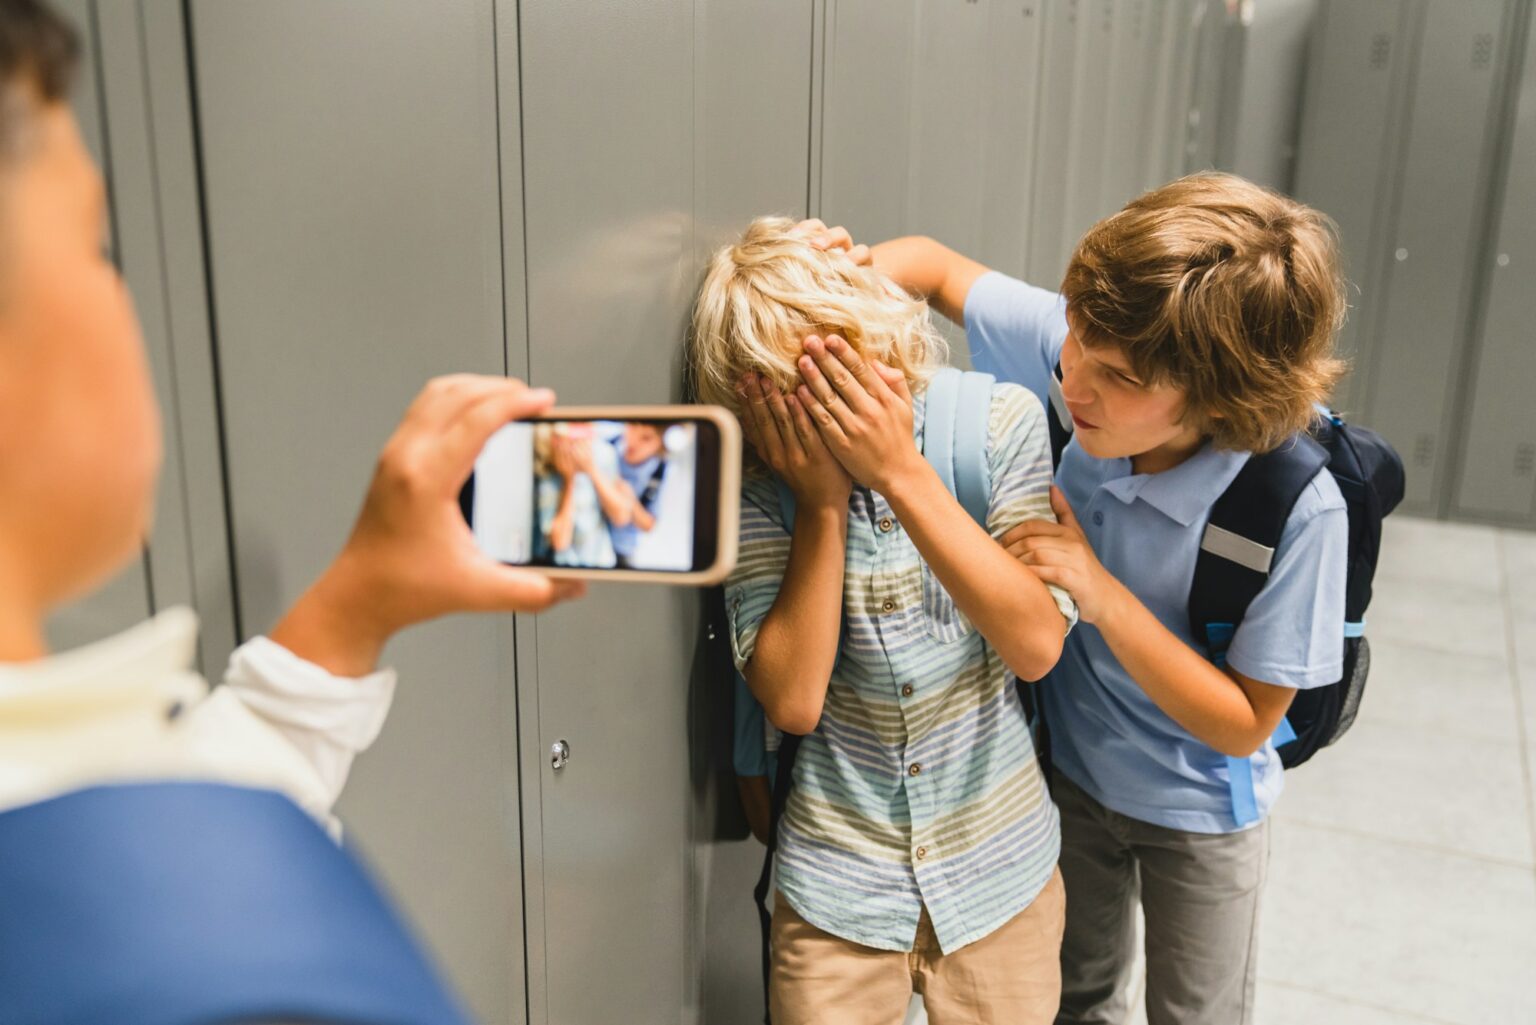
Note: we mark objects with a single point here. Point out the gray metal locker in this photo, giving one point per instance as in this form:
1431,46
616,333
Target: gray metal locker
1498,479
1130,70
354,199
609,237
1046,259
1084,200
754,157
866,116
1425,295
1359,60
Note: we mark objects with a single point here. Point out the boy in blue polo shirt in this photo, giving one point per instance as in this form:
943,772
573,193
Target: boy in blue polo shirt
1195,327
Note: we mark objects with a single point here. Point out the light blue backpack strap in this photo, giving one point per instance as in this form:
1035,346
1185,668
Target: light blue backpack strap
942,403
1245,808
786,505
749,754
973,413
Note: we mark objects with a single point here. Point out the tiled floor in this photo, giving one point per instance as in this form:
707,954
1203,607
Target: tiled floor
1403,870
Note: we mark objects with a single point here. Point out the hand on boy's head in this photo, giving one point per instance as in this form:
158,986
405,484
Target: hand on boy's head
825,238
411,556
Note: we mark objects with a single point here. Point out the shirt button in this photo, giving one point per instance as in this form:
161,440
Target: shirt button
915,769
888,606
1098,519
906,690
886,525
921,852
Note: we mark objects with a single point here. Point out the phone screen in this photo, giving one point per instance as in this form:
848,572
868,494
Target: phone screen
597,494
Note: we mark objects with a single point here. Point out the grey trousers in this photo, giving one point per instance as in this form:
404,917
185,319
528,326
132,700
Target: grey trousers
1199,894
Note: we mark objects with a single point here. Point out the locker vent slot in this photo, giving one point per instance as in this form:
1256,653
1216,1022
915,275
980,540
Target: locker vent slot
1381,51
1525,460
1482,51
1424,450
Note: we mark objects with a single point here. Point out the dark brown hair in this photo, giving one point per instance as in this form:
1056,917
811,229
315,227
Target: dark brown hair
1222,288
38,49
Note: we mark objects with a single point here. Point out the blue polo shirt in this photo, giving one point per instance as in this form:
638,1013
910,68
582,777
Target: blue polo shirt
638,476
1107,735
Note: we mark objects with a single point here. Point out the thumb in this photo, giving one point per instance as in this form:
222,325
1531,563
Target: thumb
1062,508
510,589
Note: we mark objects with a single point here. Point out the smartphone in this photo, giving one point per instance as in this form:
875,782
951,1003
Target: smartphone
615,493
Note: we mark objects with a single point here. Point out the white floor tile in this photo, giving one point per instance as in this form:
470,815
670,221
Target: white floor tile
1471,696
1397,927
1277,1004
1443,615
1429,551
1419,785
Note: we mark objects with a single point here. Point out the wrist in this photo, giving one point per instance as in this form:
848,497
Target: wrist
905,481
1115,604
337,624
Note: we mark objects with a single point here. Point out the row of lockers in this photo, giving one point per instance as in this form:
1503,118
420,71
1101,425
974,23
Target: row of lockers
318,206
1419,138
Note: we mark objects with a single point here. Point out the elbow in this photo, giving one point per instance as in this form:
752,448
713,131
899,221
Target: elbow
1035,654
796,717
1245,746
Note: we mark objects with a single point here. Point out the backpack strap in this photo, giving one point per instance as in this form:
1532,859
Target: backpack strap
1236,554
177,903
783,778
1057,417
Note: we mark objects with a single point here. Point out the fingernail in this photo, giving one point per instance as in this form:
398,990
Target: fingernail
541,395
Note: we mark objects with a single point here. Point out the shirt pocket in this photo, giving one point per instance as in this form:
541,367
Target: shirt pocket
945,621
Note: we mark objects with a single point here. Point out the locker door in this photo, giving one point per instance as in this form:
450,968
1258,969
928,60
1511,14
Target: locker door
609,234
124,600
1130,69
1422,329
1014,66
1048,244
1086,135
354,207
1345,162
866,135
1499,461
754,150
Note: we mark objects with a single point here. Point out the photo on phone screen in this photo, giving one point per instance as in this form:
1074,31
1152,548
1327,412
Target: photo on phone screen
599,494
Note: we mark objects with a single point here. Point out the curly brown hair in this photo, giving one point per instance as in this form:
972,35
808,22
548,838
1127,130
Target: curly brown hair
1224,289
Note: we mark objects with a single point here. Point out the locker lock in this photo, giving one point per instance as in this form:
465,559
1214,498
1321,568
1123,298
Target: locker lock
559,754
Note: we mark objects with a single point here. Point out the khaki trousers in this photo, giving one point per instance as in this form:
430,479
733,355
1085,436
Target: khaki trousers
1010,977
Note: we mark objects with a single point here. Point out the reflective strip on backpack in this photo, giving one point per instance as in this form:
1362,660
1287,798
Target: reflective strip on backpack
1236,548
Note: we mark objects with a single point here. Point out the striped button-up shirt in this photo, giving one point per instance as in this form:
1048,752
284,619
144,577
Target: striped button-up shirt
919,786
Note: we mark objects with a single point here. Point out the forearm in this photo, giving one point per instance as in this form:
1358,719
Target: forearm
797,640
1006,603
617,500
1213,706
931,270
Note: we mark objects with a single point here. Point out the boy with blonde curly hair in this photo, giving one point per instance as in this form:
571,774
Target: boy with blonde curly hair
918,846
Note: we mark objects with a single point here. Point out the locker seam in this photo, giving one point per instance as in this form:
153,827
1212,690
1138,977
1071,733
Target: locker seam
220,420
1503,113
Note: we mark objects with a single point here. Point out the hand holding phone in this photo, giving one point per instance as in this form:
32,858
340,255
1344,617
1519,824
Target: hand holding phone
626,493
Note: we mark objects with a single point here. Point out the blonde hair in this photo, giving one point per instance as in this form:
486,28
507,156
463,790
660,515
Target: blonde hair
765,292
1222,288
